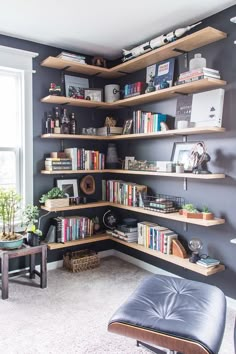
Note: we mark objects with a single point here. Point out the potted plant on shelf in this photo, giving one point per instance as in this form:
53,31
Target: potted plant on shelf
55,198
10,208
30,220
190,211
207,214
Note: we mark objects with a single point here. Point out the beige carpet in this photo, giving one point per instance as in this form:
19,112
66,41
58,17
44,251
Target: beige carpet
71,315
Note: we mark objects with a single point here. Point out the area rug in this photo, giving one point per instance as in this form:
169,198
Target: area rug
72,314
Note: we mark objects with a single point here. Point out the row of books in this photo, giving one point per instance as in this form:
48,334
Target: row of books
86,159
125,193
135,89
147,122
197,74
155,237
72,57
72,228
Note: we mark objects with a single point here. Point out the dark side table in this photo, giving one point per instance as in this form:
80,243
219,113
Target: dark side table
25,250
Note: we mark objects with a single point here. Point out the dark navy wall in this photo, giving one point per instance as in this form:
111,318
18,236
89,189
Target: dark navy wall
219,195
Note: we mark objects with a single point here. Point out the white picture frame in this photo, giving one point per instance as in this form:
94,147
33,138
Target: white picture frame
69,187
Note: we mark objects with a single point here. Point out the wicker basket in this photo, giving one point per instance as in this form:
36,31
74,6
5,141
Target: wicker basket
80,260
57,203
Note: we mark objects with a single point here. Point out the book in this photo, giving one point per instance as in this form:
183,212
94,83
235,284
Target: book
164,72
196,78
183,109
105,131
207,108
72,153
208,262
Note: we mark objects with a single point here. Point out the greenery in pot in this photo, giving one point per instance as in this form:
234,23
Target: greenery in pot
190,208
31,219
54,193
10,208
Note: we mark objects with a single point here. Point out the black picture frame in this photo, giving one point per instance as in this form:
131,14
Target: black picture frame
181,153
127,127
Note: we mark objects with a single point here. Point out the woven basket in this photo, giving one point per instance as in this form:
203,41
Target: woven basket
57,203
80,260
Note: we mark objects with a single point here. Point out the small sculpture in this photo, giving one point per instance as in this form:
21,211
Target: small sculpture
200,157
54,89
150,87
99,61
110,122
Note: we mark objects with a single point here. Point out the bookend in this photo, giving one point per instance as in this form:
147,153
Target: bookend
178,249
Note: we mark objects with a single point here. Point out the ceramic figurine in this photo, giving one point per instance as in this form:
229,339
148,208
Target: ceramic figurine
150,87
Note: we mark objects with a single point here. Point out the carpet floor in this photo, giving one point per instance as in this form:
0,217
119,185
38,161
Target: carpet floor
72,314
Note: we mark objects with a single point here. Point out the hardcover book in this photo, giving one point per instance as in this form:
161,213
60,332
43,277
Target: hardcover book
164,72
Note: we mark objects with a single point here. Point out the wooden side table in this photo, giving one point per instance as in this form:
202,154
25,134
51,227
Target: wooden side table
26,250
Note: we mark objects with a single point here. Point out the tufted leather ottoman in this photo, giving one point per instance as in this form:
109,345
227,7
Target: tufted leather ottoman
174,313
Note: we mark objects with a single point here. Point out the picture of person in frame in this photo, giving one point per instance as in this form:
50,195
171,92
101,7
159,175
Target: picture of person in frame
127,126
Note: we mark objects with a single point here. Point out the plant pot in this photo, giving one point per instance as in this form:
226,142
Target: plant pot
208,216
188,214
33,239
12,244
57,203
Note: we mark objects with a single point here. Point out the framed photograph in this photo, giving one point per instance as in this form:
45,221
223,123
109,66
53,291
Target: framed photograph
181,153
74,86
127,128
69,187
93,94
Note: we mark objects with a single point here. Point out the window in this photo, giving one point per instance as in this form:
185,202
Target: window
16,136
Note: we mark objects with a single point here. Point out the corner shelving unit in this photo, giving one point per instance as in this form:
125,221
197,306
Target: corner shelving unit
185,44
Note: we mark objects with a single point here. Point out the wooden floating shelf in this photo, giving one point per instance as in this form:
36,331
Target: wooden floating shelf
70,172
159,95
143,173
77,207
169,216
169,258
182,262
160,134
89,239
190,42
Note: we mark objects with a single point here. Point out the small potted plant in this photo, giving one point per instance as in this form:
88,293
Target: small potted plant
30,220
55,198
10,208
190,211
207,214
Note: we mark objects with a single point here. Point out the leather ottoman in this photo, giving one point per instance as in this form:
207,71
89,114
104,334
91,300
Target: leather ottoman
174,313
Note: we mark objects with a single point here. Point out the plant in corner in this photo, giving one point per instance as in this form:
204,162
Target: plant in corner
55,198
30,220
207,214
10,207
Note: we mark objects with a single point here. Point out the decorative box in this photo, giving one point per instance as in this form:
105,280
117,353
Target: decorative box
57,203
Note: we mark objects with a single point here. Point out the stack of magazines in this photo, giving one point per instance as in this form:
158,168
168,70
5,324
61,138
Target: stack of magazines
208,262
72,57
197,74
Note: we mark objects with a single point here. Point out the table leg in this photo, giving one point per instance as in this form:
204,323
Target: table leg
43,268
32,266
5,267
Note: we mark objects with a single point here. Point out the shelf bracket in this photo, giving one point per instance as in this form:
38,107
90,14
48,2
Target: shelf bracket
65,68
185,56
123,72
180,93
185,184
184,138
62,144
185,226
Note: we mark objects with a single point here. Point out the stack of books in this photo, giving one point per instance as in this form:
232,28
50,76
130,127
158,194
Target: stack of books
57,164
125,233
105,131
156,237
197,74
208,262
72,57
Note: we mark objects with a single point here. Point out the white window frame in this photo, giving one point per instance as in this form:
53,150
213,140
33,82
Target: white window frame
21,60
